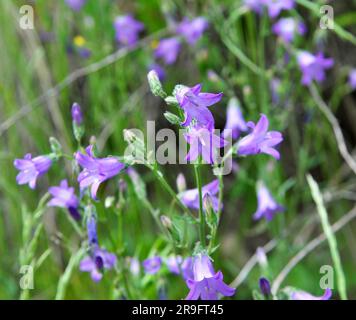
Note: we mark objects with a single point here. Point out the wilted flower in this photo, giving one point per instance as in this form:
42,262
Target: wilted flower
77,115
313,66
352,79
178,265
287,28
276,6
192,30
64,197
75,5
203,142
195,103
127,30
234,119
31,169
206,284
99,259
302,295
260,140
267,207
152,265
96,170
168,50
265,287
191,197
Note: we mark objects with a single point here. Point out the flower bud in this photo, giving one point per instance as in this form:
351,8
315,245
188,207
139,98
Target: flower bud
265,287
181,183
167,222
155,84
171,101
172,118
55,147
77,115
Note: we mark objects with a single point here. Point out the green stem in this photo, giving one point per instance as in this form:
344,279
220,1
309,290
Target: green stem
201,212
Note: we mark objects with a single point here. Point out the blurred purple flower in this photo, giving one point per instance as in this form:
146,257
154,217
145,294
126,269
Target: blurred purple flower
64,197
168,50
352,79
313,66
275,86
265,287
31,169
206,284
178,265
267,207
234,119
190,198
127,30
260,140
192,30
96,170
77,115
99,259
84,52
255,5
75,5
195,103
159,70
302,295
203,142
276,6
287,28
152,265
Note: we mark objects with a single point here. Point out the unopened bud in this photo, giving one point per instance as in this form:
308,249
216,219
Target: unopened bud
265,287
172,118
55,147
207,203
155,84
77,115
171,101
181,183
109,201
167,222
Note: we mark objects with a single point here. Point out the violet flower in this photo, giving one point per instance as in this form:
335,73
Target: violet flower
99,259
190,198
287,28
260,140
234,119
77,115
267,207
195,103
31,169
64,197
255,5
192,30
265,287
178,265
203,142
75,5
352,79
276,6
302,295
168,50
127,30
313,66
206,284
152,265
96,170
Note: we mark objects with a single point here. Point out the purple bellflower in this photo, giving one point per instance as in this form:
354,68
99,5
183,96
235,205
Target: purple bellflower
152,265
96,170
168,50
31,169
190,198
192,30
203,142
127,30
352,79
178,265
276,6
195,105
287,28
313,66
302,295
234,119
99,259
206,284
64,197
75,5
260,140
267,207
